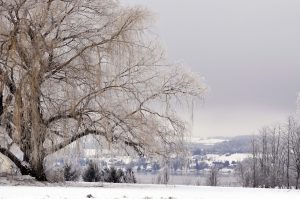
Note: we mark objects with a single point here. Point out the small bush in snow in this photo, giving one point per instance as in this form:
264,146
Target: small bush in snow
212,178
92,173
114,175
164,176
55,175
129,176
70,174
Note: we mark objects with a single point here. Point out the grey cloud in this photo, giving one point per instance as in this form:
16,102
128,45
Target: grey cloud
248,51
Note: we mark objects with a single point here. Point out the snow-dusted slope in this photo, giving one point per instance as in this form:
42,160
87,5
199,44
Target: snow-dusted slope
123,191
206,141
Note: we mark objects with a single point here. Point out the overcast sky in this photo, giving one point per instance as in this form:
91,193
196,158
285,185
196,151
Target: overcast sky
247,50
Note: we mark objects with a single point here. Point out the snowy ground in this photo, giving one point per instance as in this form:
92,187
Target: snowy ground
125,191
228,180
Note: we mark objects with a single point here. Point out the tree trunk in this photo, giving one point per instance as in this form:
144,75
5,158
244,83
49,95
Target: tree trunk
297,180
1,103
254,162
30,131
288,154
38,171
37,137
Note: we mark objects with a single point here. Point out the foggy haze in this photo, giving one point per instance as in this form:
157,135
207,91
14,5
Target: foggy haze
248,52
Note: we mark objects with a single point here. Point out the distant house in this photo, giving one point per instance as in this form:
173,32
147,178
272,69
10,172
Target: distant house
226,171
89,153
218,164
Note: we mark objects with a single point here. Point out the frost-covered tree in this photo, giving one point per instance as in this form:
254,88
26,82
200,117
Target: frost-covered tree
213,177
275,160
295,152
74,68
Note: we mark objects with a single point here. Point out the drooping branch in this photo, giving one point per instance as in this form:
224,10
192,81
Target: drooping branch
73,139
136,146
80,52
23,168
61,116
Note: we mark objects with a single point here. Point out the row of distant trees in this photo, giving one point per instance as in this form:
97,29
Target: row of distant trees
92,173
275,160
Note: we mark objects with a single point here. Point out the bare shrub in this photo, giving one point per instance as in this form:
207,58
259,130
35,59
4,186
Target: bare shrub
212,177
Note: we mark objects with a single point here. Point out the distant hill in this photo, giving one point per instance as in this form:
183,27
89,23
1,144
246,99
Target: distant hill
208,141
221,145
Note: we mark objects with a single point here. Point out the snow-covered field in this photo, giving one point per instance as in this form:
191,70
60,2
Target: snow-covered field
232,157
125,191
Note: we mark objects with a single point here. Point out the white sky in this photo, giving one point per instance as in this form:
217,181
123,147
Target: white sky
247,50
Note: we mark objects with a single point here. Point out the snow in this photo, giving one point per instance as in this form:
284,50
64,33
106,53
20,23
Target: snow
90,152
127,191
231,157
206,141
5,165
